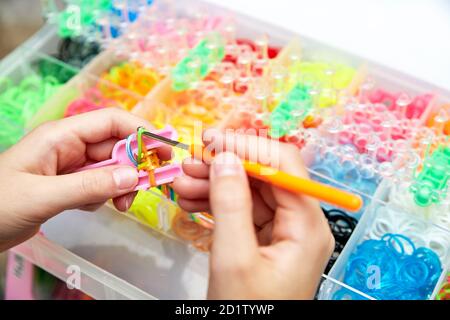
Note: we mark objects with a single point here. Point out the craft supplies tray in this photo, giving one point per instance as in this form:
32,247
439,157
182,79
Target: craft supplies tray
160,263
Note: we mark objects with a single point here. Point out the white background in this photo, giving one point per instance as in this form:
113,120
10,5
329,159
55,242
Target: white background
412,36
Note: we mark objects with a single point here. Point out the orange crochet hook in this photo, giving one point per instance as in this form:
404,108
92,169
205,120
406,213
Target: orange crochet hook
309,187
331,195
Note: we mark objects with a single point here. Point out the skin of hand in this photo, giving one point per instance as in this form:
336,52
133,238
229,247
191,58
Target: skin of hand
37,180
268,243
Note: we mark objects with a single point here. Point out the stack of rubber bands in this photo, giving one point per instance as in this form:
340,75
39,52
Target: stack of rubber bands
328,164
404,271
414,109
130,76
342,226
228,85
91,100
291,96
77,51
60,72
186,228
19,103
123,86
160,42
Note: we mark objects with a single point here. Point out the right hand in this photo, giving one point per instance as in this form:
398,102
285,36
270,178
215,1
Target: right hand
268,243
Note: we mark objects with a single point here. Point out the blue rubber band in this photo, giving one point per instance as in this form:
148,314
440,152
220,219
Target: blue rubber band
129,151
402,275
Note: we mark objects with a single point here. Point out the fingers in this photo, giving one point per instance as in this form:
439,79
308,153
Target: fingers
87,187
100,125
231,204
265,234
295,237
190,188
92,207
88,128
194,205
195,168
123,203
250,147
193,188
70,136
262,214
306,218
101,129
164,152
272,153
298,218
268,152
266,192
280,156
101,150
299,227
197,200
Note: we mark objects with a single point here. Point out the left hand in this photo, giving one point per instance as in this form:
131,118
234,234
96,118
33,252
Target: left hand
36,174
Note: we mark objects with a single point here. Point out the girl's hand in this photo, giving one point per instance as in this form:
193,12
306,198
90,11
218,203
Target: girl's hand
36,180
268,243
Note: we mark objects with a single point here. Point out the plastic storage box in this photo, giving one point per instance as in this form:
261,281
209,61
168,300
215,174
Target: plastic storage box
123,259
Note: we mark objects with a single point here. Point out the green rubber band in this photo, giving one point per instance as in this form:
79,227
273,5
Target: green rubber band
30,82
433,179
139,141
12,95
19,103
5,84
208,53
293,109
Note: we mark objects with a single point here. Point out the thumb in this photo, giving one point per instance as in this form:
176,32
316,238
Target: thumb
91,186
231,203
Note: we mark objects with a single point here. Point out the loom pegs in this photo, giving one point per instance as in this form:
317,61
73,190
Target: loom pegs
261,59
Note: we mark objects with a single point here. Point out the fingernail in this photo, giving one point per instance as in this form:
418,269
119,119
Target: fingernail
127,203
192,161
125,178
227,164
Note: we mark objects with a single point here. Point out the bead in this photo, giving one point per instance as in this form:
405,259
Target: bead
405,272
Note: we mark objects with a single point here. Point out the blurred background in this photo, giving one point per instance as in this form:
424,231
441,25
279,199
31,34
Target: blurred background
411,36
19,19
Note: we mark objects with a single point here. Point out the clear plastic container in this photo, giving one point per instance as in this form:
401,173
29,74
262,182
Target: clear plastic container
120,258
382,218
153,262
28,83
84,86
